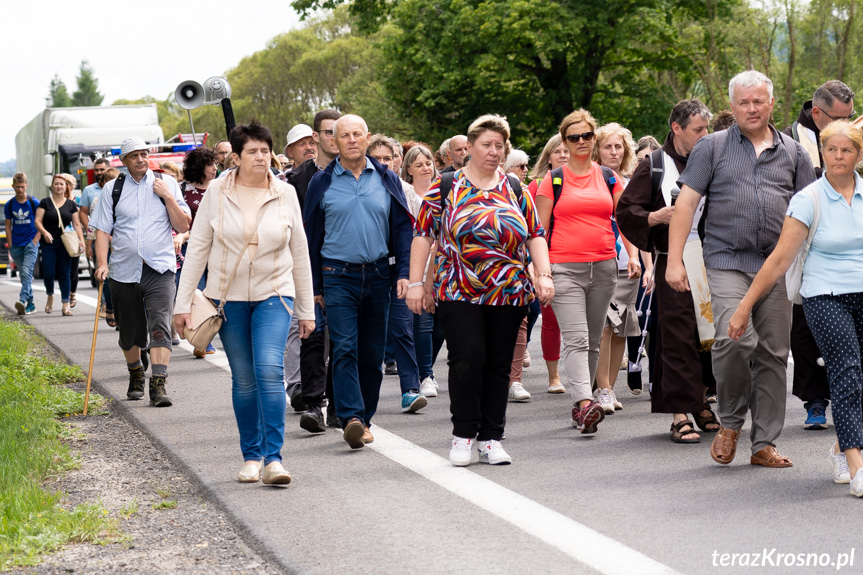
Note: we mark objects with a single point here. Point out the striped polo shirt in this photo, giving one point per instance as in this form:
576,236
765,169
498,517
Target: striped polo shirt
747,196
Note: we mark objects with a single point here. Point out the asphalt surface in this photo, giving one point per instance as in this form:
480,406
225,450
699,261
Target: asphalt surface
626,500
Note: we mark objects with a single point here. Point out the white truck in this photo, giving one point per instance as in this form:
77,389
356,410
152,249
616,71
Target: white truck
68,139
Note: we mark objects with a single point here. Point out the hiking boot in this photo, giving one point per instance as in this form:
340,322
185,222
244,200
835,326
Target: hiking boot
296,400
136,384
158,397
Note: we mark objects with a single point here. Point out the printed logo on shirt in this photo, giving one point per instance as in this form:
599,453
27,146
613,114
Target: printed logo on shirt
22,216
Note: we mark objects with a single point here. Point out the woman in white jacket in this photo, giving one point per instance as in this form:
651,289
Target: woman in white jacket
271,282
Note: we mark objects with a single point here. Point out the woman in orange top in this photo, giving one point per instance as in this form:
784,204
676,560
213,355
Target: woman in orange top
583,259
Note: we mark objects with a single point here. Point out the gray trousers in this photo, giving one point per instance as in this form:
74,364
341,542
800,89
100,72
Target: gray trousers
751,373
292,357
582,292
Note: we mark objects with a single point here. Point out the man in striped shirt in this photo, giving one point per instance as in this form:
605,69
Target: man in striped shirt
747,174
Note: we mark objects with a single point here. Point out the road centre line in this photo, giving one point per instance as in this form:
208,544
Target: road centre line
578,541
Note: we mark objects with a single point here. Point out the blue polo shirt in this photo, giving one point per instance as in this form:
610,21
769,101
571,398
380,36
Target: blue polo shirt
23,218
89,194
357,214
835,261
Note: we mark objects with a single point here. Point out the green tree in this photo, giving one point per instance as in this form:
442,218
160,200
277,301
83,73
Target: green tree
87,90
58,95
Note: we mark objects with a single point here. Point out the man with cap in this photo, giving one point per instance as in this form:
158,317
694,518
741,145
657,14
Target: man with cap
301,144
138,218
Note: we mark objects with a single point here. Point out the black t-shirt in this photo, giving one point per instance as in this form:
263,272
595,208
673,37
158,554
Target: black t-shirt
49,218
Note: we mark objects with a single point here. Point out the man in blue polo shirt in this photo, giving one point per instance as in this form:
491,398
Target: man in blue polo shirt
23,239
359,231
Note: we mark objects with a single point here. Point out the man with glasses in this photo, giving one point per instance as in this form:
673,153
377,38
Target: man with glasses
833,100
224,160
314,384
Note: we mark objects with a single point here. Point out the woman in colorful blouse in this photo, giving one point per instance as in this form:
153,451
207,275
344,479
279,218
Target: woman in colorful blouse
583,259
481,283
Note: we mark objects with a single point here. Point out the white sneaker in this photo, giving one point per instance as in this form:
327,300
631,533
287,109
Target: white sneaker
525,362
857,484
841,473
428,387
517,392
460,453
614,402
492,452
606,401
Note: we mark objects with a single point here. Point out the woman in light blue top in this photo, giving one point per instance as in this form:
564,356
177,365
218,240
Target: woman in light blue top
832,288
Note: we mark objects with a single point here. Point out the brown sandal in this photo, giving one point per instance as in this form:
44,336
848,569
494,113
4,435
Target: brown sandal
702,421
724,446
678,431
769,457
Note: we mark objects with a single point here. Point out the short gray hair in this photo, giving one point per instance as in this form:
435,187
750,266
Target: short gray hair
515,158
683,111
831,91
444,148
748,79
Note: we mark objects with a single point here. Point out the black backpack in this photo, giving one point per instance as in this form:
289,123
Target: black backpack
446,180
118,189
556,176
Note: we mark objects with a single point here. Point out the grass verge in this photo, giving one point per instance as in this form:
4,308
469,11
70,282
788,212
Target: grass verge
32,398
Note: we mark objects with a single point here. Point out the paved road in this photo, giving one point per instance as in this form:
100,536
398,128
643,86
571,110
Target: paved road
624,501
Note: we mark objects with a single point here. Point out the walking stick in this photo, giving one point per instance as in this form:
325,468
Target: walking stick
93,348
635,367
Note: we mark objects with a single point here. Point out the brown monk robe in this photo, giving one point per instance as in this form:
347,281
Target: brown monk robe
681,372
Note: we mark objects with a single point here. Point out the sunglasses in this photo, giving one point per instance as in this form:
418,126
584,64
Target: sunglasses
574,138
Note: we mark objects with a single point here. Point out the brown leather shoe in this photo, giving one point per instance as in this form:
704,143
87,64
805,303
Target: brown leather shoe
769,457
354,432
367,435
724,445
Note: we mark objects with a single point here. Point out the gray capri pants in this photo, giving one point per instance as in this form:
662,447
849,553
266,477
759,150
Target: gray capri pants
144,310
582,294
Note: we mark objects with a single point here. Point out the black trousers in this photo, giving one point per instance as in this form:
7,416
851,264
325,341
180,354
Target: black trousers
316,373
480,340
810,379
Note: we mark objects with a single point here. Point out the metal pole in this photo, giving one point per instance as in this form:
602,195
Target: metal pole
194,136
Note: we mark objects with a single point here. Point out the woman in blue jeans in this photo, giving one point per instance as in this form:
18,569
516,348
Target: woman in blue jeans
248,233
831,288
54,214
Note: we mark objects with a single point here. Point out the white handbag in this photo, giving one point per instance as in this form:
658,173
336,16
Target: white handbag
794,275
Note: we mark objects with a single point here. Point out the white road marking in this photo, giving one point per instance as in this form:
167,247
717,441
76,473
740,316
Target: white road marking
583,544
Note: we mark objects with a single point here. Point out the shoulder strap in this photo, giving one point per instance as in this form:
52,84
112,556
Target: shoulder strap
516,187
556,176
794,133
239,258
656,173
33,203
115,194
446,180
719,139
610,179
788,144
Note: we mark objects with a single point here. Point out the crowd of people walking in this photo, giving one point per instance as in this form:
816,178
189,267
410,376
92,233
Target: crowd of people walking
713,254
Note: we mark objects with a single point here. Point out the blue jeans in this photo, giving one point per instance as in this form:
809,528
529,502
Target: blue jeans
400,329
56,263
423,327
254,336
357,300
25,259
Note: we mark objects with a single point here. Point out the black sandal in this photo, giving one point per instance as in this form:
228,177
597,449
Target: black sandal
109,318
678,431
702,421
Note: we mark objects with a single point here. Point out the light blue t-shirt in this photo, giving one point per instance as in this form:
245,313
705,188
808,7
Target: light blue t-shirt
357,213
835,261
89,194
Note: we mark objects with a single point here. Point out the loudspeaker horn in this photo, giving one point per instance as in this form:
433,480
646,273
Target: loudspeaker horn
216,89
189,95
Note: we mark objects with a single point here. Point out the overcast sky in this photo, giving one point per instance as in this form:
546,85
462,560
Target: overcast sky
135,48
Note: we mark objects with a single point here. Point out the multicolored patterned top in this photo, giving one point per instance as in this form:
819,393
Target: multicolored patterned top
482,255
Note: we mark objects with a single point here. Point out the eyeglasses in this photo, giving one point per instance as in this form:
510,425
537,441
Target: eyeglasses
521,166
846,118
574,138
327,133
